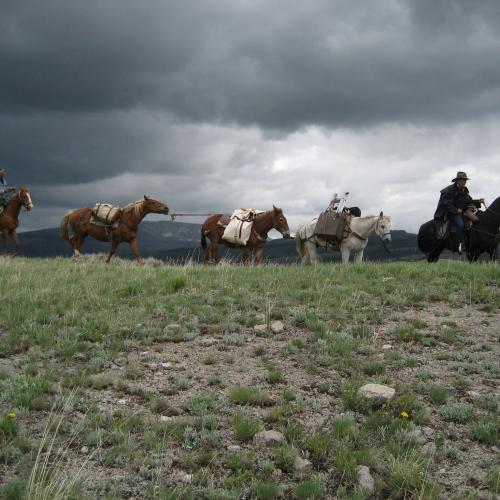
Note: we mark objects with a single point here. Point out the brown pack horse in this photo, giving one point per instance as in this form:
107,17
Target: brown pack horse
9,219
125,231
263,223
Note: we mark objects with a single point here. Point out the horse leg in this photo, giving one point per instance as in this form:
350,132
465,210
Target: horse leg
358,256
135,250
258,255
246,256
77,244
16,241
112,250
206,253
311,252
345,252
213,252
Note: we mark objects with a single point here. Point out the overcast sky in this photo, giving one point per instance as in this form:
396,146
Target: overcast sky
217,104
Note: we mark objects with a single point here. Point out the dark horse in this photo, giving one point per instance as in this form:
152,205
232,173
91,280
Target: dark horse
125,230
482,237
9,218
262,224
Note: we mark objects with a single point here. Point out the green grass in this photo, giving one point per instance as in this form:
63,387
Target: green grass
102,331
245,427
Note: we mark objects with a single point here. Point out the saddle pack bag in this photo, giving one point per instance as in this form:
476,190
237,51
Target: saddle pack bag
330,226
106,213
442,229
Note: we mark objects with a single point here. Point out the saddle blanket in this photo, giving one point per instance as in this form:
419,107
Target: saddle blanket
105,214
239,228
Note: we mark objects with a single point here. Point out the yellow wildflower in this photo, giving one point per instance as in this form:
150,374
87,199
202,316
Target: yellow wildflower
11,414
404,414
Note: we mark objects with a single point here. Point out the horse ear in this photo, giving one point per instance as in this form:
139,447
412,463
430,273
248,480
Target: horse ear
146,198
381,213
276,209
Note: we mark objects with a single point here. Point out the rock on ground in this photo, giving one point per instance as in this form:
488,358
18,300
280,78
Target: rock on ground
267,437
365,479
372,391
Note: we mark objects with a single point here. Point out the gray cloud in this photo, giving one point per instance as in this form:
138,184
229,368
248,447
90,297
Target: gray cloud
282,65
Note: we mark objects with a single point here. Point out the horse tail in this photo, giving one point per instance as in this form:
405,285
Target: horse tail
63,226
299,243
203,239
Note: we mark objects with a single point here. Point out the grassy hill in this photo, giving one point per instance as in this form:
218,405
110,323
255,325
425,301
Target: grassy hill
118,381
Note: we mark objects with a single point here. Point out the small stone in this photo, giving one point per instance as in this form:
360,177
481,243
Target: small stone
301,464
277,472
428,431
495,449
277,326
233,447
153,366
260,328
267,437
208,341
387,346
164,418
473,394
374,391
428,448
365,479
144,354
166,366
84,450
173,326
55,388
442,471
122,402
415,436
120,361
187,478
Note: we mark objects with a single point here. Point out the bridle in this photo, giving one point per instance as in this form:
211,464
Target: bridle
381,236
262,238
25,204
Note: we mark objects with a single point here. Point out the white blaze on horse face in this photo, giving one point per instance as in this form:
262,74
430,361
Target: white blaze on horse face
30,203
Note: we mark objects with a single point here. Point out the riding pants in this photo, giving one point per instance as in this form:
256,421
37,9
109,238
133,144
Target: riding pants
459,225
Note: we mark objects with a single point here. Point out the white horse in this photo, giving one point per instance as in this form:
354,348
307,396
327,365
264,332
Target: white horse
361,227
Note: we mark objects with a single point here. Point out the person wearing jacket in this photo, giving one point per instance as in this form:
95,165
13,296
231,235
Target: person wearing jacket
454,204
4,189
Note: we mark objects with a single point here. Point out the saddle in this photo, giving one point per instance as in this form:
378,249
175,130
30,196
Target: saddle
443,227
237,231
105,214
333,226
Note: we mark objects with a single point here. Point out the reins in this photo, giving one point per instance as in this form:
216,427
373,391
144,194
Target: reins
174,215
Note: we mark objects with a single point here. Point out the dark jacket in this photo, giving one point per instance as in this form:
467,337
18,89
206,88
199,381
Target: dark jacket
452,198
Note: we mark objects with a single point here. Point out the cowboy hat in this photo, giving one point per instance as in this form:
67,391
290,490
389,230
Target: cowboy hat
460,175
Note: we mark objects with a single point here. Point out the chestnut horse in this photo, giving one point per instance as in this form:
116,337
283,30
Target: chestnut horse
125,230
9,219
262,224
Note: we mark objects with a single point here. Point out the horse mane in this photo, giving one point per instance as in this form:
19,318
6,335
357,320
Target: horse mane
137,206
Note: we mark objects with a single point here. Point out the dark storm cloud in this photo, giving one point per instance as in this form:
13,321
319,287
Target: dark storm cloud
274,64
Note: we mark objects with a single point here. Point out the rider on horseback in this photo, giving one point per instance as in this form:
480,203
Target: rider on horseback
4,189
454,205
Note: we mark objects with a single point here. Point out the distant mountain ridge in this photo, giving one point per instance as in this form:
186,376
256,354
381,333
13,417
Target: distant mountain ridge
180,241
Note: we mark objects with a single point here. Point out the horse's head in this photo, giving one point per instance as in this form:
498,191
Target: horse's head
383,228
280,223
25,198
154,206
